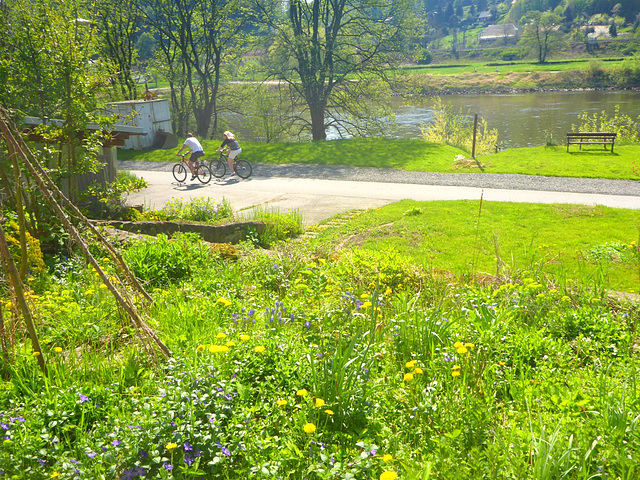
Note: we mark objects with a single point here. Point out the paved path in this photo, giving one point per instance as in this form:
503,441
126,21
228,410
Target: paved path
319,192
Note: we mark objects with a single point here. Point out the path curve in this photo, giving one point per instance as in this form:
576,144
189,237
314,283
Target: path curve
320,191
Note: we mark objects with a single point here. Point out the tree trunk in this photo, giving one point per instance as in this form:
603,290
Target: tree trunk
317,123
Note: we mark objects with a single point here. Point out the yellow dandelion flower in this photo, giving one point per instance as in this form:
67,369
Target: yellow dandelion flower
302,392
230,343
171,446
259,349
408,377
387,458
309,428
458,345
244,338
501,363
366,304
55,475
200,348
456,367
469,345
36,354
319,403
388,475
221,335
223,301
462,350
91,291
223,349
281,403
364,295
455,373
102,286
328,411
418,371
387,291
58,349
410,364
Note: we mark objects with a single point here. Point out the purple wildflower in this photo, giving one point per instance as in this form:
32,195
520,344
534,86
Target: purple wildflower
226,451
143,454
187,447
115,443
91,454
188,459
167,466
83,398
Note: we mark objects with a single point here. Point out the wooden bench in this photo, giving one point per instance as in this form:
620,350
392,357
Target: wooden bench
591,138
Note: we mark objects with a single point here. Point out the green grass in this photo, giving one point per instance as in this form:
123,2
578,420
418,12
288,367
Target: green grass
501,239
418,155
489,66
331,361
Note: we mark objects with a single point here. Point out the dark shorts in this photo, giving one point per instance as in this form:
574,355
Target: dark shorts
196,155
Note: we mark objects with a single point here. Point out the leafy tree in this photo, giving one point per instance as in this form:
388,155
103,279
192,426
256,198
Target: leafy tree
326,48
542,33
118,24
48,71
195,38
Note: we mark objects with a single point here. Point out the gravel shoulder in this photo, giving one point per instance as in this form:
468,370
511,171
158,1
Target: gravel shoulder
478,180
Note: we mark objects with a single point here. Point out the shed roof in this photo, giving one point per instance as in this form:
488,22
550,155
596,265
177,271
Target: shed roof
114,135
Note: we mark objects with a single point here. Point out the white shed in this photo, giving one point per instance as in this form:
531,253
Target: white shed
153,116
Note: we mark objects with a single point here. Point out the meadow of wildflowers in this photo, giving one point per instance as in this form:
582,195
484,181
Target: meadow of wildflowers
320,363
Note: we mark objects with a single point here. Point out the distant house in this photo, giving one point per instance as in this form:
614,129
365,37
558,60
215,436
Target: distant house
506,32
597,31
485,16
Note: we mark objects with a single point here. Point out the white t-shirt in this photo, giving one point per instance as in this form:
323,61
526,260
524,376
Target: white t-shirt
193,144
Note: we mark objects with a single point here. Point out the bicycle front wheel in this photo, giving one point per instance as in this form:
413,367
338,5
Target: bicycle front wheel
218,169
203,173
242,168
179,172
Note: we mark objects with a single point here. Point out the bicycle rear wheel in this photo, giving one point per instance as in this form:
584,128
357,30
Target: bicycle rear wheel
218,169
203,173
242,168
179,172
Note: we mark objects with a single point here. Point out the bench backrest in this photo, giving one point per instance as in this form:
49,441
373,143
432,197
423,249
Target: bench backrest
592,134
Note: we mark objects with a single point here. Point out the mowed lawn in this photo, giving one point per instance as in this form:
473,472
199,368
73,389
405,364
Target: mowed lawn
419,155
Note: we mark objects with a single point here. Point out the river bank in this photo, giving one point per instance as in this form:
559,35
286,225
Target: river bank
498,82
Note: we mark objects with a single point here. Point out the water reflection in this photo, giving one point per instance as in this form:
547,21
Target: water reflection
524,119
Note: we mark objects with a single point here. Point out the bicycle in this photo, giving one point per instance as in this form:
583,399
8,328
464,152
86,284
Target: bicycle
218,167
201,171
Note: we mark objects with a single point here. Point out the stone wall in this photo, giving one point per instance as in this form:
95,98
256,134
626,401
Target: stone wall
231,233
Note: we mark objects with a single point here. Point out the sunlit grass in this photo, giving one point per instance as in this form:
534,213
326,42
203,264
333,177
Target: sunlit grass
495,238
418,155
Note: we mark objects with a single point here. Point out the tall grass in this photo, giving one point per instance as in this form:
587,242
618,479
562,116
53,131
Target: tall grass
322,362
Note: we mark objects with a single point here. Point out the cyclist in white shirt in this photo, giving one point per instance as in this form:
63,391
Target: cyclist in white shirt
196,149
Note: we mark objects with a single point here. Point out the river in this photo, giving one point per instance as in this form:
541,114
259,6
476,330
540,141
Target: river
523,119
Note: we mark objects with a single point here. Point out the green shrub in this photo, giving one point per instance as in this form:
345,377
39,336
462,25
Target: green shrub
199,209
456,129
161,261
107,201
626,127
278,226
